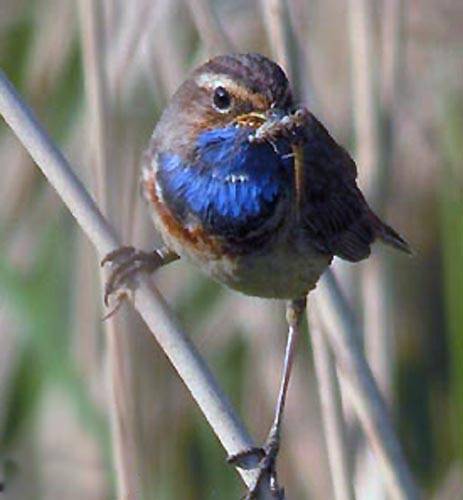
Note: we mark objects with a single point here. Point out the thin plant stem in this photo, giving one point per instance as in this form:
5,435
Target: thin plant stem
342,333
146,299
96,91
209,28
276,25
373,112
390,62
363,92
126,40
379,341
332,413
379,335
118,380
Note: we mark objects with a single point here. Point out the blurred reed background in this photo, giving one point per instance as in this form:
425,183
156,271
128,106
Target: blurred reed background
387,79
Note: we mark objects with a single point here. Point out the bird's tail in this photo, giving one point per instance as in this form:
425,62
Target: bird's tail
388,235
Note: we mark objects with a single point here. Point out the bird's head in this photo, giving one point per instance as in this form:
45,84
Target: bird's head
244,89
223,149
239,90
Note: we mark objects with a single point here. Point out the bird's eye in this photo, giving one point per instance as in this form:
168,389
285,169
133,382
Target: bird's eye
222,99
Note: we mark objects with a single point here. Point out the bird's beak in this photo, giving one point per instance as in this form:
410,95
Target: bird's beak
280,122
256,119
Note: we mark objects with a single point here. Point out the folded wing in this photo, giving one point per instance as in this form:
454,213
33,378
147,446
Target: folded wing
334,212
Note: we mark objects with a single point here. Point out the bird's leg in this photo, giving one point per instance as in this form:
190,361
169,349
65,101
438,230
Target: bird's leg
294,312
266,456
127,262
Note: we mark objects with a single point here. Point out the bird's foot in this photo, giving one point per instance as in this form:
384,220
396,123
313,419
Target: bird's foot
264,459
126,263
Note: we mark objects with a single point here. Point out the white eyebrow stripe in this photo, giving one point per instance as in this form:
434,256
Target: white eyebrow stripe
213,80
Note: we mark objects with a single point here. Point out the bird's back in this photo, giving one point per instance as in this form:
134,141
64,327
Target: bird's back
335,216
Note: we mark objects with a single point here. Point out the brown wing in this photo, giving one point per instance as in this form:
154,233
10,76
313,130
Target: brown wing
335,215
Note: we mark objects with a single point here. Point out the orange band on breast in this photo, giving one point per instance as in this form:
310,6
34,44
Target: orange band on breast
196,238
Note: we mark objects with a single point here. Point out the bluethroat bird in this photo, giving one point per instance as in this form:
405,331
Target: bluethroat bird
254,191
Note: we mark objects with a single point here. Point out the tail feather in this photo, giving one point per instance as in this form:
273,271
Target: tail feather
389,236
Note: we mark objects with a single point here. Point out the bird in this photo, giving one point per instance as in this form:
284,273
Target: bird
251,187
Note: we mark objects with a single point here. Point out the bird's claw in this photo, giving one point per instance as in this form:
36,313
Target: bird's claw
126,263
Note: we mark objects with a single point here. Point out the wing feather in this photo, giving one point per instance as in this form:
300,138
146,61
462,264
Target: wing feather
335,213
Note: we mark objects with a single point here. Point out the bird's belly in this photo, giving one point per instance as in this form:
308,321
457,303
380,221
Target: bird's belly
281,273
284,275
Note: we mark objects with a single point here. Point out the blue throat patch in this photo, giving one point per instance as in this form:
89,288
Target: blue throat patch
232,186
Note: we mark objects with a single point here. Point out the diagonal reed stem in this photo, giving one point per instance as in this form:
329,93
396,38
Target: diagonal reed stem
331,406
342,333
147,300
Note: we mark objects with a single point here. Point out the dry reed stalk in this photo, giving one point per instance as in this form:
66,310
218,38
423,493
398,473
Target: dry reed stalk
163,51
147,300
124,448
376,150
275,17
17,183
209,28
47,57
364,104
390,58
343,336
332,412
86,304
96,92
125,41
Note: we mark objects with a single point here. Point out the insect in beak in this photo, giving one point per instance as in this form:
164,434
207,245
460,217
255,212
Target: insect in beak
276,114
276,123
280,123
